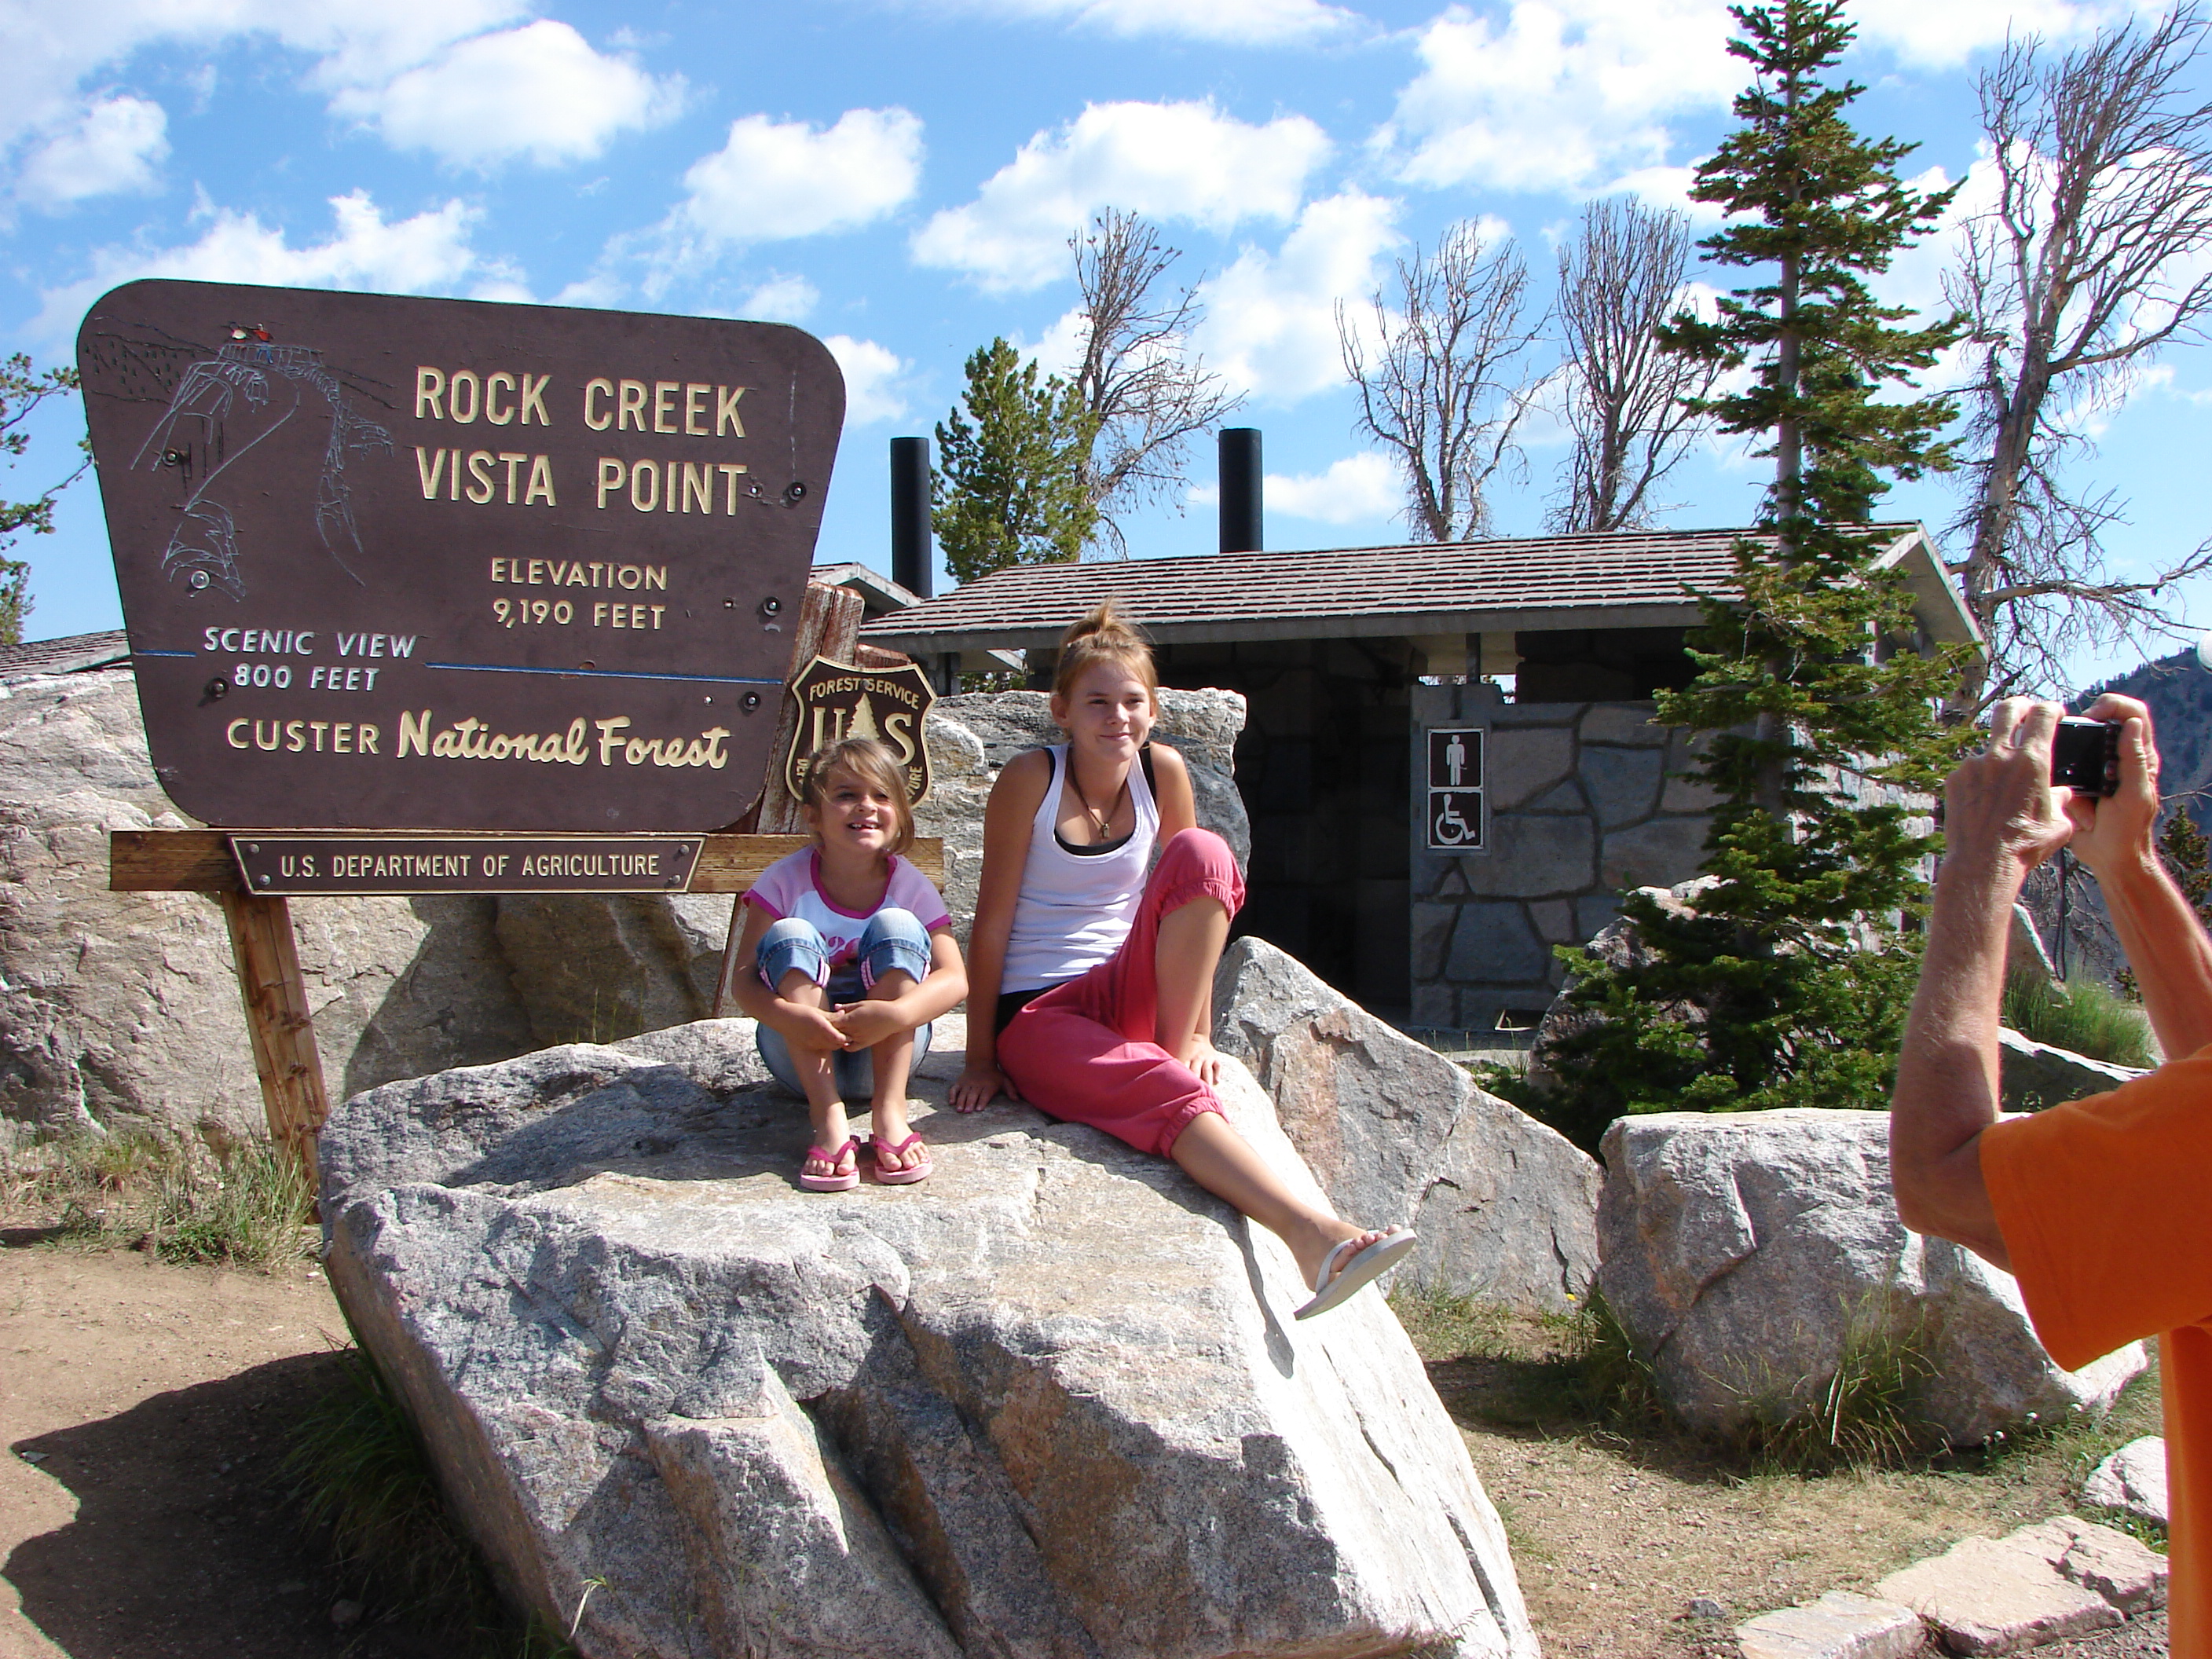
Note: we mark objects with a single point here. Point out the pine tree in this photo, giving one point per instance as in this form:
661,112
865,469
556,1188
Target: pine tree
23,389
1010,486
1787,982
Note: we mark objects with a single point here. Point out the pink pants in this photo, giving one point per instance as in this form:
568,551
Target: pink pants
1084,1051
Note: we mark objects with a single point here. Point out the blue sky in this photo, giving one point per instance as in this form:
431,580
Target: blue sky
900,177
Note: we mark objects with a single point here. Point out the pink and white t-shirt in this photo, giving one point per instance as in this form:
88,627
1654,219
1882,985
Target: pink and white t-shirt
792,887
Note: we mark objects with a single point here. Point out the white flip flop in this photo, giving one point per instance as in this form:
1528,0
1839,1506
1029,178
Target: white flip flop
1362,1267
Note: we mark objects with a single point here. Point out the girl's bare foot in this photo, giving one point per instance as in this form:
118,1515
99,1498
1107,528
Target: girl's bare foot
1311,1247
888,1129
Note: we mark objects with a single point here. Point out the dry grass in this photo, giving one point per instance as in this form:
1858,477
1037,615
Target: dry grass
242,1204
1619,1520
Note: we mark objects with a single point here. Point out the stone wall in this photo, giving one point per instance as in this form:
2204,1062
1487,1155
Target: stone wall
1583,804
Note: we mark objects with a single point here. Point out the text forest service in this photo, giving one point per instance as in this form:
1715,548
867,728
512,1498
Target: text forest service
438,564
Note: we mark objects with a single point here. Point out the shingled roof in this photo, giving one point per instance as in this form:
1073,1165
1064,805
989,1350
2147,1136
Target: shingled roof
1646,579
71,655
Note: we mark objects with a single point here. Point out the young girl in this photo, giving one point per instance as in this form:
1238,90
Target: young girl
1102,979
841,969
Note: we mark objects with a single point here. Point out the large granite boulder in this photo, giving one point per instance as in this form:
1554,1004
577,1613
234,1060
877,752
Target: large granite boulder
1742,1251
1505,1207
1050,1402
123,1008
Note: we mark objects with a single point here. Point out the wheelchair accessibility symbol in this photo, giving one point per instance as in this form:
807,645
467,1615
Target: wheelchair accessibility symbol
1455,819
1455,785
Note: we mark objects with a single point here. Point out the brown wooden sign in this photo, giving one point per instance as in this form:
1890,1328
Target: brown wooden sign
838,700
294,866
406,563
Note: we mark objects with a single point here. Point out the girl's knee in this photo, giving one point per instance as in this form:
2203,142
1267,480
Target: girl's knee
788,946
1197,854
894,941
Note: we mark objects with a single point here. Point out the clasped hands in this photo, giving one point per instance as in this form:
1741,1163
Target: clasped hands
849,1025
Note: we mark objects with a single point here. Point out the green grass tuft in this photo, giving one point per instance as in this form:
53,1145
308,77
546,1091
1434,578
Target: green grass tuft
1865,1416
2086,1018
254,1211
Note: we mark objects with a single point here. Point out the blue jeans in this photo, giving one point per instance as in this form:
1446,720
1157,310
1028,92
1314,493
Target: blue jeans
893,939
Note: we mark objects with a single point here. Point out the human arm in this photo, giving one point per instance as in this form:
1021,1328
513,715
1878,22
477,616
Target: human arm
2001,818
801,1025
1014,801
1172,792
868,1022
2158,929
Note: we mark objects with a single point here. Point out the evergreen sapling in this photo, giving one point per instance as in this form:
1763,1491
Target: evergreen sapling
1786,982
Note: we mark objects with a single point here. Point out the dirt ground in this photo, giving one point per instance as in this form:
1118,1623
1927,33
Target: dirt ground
144,1407
1614,1536
141,1515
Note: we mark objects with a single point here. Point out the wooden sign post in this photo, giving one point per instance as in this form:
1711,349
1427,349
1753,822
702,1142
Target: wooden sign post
443,595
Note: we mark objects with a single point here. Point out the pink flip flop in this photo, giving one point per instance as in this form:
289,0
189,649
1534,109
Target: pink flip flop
912,1173
834,1182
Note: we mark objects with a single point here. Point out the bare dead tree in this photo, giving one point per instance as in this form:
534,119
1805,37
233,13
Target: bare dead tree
1147,390
2091,259
1625,399
1441,386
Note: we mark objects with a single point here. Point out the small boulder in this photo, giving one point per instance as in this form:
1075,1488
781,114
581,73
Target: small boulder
1743,1251
1841,1625
1048,1402
1507,1207
2132,1480
2039,1584
2033,1076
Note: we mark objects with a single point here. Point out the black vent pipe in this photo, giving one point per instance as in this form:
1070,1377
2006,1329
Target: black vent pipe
912,559
1240,489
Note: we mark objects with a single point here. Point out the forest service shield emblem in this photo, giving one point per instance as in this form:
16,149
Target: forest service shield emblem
836,702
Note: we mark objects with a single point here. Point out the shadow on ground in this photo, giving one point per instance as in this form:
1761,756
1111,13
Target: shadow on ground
183,1546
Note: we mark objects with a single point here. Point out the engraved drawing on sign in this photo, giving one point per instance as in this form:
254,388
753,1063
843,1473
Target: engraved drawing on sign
1455,804
226,403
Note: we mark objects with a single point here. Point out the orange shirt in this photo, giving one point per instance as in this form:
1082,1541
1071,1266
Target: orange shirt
2106,1205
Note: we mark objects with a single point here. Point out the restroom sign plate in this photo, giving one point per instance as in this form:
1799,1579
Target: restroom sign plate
1455,806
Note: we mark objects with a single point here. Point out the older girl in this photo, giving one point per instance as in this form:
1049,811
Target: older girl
1092,983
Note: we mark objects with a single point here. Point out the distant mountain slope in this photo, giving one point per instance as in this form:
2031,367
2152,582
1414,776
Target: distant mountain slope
2178,689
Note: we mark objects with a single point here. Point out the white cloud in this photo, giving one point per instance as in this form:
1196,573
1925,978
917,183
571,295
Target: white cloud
1943,34
1183,161
873,373
540,91
1270,326
1560,95
110,147
1229,22
427,253
1358,489
774,179
53,46
781,300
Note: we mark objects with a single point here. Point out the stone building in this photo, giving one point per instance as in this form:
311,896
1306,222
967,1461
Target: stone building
1546,651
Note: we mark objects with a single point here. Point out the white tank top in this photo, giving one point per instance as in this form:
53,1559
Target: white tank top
1074,910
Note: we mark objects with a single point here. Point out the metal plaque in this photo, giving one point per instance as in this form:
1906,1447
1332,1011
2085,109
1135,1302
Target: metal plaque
836,702
289,866
1456,789
402,563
